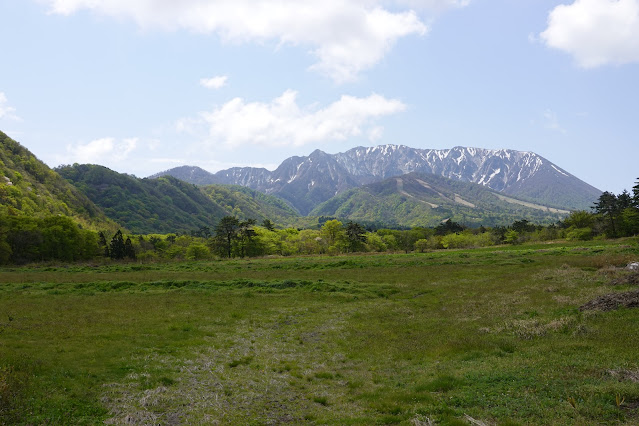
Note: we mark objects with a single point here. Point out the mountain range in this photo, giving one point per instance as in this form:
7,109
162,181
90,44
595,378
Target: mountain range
371,185
306,182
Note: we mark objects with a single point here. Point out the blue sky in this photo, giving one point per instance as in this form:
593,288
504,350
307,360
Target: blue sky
142,86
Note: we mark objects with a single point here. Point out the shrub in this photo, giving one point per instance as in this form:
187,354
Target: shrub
197,251
581,234
421,245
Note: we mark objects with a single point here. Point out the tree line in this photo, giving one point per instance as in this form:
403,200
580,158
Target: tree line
26,239
612,216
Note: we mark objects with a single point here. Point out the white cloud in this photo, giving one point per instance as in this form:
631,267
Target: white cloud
7,111
595,32
375,133
216,82
551,122
436,5
346,36
100,151
282,122
167,160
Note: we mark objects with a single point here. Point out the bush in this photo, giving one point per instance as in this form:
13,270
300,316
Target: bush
462,240
421,245
197,251
375,243
580,234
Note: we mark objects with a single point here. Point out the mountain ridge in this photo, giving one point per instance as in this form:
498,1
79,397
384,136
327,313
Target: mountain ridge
521,174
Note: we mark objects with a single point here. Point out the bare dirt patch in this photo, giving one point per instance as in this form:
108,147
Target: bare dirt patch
627,279
612,301
625,375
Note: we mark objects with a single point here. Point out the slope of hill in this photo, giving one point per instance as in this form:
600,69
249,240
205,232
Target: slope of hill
246,203
190,174
420,199
30,187
308,181
168,204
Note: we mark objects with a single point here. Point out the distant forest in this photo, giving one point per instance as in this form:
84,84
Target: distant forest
25,239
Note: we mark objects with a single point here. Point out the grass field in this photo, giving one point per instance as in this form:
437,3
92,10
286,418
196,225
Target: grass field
450,337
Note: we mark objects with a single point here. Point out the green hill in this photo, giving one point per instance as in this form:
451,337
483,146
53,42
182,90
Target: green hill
246,203
427,200
29,187
167,204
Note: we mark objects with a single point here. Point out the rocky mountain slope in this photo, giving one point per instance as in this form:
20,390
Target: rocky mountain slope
308,181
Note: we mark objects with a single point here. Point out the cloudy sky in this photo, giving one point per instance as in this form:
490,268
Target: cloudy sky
142,86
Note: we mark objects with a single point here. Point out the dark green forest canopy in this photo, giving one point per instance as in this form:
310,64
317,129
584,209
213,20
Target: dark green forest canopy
144,205
167,204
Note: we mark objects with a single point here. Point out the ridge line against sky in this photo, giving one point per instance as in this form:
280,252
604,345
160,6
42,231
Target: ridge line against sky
142,86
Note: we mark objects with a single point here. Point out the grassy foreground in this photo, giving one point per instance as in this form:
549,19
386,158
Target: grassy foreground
458,337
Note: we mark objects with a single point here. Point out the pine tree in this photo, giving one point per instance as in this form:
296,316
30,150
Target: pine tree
608,208
624,200
103,244
356,235
266,223
246,234
117,249
226,233
129,250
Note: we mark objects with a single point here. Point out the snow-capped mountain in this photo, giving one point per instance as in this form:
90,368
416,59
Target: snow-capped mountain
496,169
307,181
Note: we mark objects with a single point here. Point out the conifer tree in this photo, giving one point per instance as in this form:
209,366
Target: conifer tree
246,234
129,251
624,200
117,249
226,233
356,235
103,244
608,208
266,223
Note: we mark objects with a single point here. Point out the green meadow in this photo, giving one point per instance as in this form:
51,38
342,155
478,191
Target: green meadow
489,336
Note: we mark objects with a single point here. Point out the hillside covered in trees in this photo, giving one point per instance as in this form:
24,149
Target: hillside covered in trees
420,199
29,187
167,204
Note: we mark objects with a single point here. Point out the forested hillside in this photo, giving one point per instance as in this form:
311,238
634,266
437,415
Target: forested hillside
427,200
245,203
29,187
167,204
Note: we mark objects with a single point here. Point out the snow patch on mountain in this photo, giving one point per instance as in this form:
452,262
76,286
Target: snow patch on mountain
553,166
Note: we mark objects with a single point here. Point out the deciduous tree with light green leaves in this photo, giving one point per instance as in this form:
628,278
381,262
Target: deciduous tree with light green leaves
334,234
197,251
